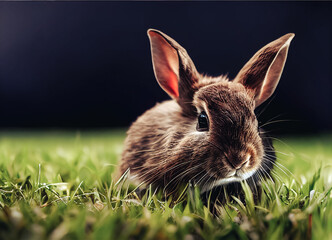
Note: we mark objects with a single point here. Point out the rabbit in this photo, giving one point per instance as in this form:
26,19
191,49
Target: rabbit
207,134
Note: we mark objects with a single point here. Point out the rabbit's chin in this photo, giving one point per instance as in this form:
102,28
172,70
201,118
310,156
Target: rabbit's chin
238,177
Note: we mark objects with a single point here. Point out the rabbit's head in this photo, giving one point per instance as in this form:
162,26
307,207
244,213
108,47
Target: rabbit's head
217,129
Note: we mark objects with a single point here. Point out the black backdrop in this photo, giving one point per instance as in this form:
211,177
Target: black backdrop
87,64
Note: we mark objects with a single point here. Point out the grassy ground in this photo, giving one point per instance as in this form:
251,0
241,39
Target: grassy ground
59,186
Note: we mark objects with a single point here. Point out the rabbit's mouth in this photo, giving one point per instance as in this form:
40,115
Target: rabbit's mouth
243,175
233,176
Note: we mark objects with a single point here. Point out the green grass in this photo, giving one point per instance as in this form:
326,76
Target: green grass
60,186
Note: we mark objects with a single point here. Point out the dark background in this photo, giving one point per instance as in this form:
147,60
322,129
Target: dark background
78,65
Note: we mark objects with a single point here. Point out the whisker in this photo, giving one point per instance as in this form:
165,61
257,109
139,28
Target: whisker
271,169
266,106
279,165
289,155
276,121
268,175
183,174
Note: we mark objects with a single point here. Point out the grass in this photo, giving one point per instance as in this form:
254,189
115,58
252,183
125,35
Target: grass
59,186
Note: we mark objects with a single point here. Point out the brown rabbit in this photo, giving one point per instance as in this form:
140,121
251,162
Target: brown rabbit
208,133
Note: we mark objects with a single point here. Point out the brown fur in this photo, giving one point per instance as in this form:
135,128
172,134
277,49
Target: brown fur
163,147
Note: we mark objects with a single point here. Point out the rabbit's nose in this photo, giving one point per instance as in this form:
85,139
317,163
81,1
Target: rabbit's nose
238,162
245,163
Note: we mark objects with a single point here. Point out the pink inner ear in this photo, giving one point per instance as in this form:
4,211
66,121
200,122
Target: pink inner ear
167,79
166,64
173,85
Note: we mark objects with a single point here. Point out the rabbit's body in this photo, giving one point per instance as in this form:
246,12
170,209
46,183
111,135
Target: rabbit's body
208,134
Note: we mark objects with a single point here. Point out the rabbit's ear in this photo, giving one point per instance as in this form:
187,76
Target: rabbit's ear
263,71
173,68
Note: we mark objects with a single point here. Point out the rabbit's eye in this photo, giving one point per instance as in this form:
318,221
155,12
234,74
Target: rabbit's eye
203,122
